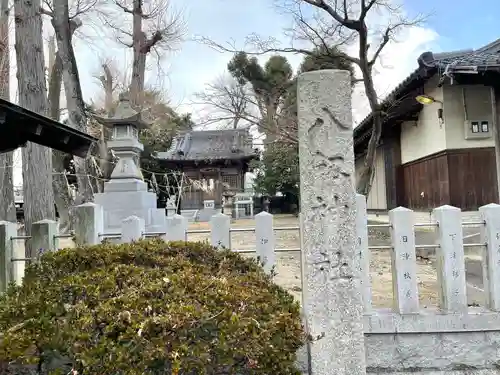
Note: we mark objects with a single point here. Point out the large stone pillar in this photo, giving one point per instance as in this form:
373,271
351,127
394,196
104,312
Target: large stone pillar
332,291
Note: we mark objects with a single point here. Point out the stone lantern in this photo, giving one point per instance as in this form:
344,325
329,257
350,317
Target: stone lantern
125,124
126,193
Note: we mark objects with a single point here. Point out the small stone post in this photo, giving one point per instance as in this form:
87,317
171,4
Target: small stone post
177,226
7,231
264,234
43,238
363,251
89,224
450,260
133,228
333,305
220,231
404,261
490,234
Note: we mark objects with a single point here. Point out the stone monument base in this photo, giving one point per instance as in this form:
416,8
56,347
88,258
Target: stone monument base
119,205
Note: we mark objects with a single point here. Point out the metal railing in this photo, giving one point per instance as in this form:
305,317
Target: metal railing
426,225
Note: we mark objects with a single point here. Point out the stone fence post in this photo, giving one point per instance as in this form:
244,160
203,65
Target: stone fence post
265,240
133,229
89,224
220,231
176,228
7,231
43,236
333,306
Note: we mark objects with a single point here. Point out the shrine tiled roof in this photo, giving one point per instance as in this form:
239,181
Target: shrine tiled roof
429,64
234,144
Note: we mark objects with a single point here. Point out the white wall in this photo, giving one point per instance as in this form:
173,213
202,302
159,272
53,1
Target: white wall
479,107
425,136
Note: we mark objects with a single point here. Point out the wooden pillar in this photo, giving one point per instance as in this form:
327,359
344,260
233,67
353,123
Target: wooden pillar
495,106
392,162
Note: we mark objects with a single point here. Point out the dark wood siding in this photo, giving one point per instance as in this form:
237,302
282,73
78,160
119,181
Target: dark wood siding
426,182
473,182
464,178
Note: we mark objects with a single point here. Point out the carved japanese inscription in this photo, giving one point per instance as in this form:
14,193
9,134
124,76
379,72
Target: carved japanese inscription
330,166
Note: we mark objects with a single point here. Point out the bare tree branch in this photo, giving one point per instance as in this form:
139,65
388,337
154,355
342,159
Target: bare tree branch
227,99
335,25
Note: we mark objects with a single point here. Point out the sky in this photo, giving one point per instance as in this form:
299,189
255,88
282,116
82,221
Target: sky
447,27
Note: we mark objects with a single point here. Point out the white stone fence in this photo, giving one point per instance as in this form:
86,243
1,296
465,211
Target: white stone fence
449,250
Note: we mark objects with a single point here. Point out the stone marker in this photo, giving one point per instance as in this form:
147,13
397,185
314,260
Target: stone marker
7,231
43,236
332,287
265,241
220,235
133,228
89,224
177,226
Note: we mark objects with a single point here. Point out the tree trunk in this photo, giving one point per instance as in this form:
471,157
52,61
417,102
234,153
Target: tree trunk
105,164
139,61
365,181
107,84
62,195
37,160
7,204
138,74
72,88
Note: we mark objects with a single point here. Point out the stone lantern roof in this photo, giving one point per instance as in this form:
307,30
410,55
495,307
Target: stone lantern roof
124,115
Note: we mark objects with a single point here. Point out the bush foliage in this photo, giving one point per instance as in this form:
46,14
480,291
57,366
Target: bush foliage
149,307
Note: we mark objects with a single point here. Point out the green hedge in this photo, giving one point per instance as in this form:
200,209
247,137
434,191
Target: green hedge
148,307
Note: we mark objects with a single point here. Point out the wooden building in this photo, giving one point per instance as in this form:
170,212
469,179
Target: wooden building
212,161
437,145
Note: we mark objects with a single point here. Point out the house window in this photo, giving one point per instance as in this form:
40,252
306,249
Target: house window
485,128
475,126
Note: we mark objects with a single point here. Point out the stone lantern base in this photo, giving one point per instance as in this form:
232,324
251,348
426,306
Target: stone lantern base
124,198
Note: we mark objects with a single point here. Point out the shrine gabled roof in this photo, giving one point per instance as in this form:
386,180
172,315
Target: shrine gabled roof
19,125
234,144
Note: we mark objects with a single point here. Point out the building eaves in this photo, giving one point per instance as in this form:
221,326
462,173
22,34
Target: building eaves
19,125
429,65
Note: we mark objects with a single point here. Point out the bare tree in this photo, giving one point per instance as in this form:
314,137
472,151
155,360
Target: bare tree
62,192
7,204
227,101
108,80
151,27
37,160
64,27
255,99
333,26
